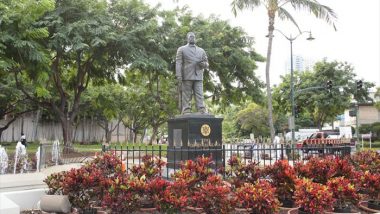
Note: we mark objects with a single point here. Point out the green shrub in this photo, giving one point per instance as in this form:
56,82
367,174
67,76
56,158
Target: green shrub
373,128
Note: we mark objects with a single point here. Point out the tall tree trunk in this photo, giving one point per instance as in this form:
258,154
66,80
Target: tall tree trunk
75,129
154,134
126,135
13,132
321,120
108,132
22,125
143,136
67,131
319,125
131,135
118,132
84,123
90,132
108,136
267,72
134,136
36,121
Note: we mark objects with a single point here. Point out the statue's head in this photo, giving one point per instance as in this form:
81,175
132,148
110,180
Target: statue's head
190,38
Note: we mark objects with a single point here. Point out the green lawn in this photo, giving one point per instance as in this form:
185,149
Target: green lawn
138,145
32,147
143,148
375,145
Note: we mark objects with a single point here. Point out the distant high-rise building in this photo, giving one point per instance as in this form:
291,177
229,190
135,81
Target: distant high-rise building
300,63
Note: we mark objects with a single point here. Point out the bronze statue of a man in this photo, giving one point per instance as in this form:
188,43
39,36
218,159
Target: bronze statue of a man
191,60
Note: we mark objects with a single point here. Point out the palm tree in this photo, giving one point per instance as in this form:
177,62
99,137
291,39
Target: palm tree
276,8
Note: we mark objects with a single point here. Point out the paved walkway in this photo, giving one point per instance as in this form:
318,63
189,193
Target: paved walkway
27,181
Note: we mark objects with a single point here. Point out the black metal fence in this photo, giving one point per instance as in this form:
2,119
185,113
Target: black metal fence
263,154
50,155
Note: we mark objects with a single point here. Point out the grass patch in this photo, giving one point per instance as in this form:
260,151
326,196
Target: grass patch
11,147
88,148
141,148
33,146
137,147
374,144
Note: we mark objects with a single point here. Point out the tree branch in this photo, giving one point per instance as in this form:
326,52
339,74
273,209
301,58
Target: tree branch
15,116
22,89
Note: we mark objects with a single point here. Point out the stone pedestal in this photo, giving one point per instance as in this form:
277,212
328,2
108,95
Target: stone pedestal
194,135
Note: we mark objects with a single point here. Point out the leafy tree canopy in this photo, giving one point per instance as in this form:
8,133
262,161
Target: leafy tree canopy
232,58
253,119
377,95
18,37
60,47
107,103
312,96
79,42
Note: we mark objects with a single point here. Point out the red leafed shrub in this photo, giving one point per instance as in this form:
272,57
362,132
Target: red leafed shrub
344,192
213,196
156,186
234,161
320,169
82,186
55,183
282,177
194,173
316,169
342,168
369,183
174,198
108,163
260,197
313,197
87,183
141,188
154,189
123,195
367,160
149,169
241,173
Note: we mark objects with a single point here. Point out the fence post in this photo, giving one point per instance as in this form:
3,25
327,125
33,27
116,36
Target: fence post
216,160
174,156
39,164
159,152
224,160
127,164
282,151
121,152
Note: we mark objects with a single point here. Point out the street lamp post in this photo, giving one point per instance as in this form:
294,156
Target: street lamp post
357,121
291,39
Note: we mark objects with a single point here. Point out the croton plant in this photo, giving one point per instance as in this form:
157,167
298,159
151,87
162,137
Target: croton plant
240,173
344,192
258,197
313,197
367,160
369,183
213,196
283,177
325,182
